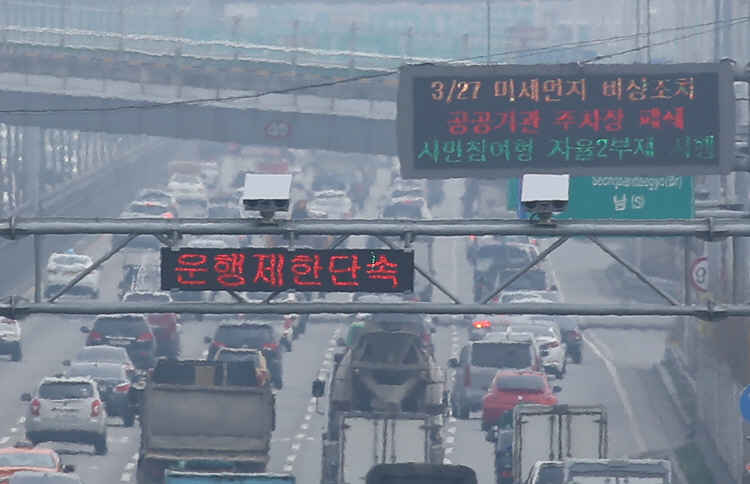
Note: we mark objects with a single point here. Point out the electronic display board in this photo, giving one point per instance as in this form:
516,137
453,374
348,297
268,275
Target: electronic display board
250,269
508,120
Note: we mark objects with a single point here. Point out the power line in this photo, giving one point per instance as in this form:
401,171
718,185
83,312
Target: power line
387,73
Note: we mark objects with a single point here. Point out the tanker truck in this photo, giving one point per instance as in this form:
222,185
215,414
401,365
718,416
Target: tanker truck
386,390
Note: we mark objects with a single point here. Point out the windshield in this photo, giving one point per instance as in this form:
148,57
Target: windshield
501,355
529,281
237,356
505,255
535,329
65,390
27,459
182,178
244,335
104,353
614,480
70,260
105,371
148,209
55,478
147,297
525,383
128,326
403,210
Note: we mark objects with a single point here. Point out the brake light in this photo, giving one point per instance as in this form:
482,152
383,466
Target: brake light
574,334
167,215
94,336
482,324
506,474
122,387
288,322
148,336
35,405
467,376
96,408
271,346
552,344
218,344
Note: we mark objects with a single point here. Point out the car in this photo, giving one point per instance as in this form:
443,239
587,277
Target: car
192,205
106,354
478,363
38,477
509,387
10,339
67,409
262,375
182,184
495,262
150,209
401,188
209,173
113,384
483,324
334,204
24,456
415,322
156,195
534,283
571,335
62,268
164,325
253,335
548,336
130,331
411,208
546,472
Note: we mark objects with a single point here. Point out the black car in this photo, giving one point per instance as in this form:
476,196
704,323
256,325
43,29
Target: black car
252,335
129,331
114,386
571,336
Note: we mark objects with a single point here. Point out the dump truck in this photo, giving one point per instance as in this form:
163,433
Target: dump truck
546,433
230,417
388,391
412,473
188,477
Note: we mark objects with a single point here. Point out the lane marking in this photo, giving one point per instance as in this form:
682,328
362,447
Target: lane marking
4,440
129,466
288,468
14,430
619,388
21,420
125,477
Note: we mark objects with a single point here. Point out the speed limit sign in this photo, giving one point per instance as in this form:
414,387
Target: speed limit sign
278,129
699,274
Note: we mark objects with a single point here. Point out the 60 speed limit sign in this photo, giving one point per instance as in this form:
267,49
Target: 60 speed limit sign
699,274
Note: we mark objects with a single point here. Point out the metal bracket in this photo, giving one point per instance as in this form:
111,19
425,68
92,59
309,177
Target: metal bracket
18,307
712,234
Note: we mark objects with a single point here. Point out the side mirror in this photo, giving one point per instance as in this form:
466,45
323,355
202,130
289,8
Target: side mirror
85,329
341,342
68,468
545,353
338,357
66,362
26,397
318,388
556,389
207,340
453,363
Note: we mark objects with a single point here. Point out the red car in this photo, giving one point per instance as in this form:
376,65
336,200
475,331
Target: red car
510,387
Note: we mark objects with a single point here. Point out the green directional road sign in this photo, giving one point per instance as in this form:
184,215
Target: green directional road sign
623,197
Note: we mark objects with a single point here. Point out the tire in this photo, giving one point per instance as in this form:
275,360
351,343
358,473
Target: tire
454,411
100,445
277,380
463,412
577,358
128,417
16,355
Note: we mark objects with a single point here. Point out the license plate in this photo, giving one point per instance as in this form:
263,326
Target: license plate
119,342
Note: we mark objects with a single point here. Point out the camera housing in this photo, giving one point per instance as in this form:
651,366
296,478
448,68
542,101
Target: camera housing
545,194
267,194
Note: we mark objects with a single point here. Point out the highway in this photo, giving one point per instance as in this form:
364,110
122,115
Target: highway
615,369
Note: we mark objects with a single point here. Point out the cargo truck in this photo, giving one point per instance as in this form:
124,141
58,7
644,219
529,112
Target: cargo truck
187,477
547,433
412,473
204,410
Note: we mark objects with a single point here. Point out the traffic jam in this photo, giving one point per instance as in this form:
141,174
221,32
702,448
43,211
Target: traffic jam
187,398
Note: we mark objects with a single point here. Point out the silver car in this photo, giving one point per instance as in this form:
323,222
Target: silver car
67,409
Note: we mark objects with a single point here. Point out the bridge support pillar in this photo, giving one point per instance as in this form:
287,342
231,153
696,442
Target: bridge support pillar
31,151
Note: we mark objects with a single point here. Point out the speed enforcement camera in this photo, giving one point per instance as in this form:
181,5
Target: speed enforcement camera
545,194
267,194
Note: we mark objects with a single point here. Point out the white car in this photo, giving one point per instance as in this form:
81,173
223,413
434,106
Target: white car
547,335
184,184
62,268
334,204
67,409
10,338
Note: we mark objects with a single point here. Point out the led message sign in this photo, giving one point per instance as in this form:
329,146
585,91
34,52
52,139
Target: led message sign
249,269
508,120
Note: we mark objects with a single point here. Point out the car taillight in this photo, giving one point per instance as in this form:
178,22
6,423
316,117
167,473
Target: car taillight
467,376
574,335
122,387
552,344
146,336
482,324
94,336
506,474
35,405
271,346
129,370
218,344
96,407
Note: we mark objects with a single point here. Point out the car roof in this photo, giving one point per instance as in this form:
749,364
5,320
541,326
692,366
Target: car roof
246,324
66,379
96,364
28,450
512,371
56,476
98,348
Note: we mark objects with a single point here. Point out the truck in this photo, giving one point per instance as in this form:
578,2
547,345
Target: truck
546,433
197,410
188,477
386,391
413,473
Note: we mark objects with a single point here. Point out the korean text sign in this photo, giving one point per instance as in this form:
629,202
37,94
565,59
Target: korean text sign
250,269
508,120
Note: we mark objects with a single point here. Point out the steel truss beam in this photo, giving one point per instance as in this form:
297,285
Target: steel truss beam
169,231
